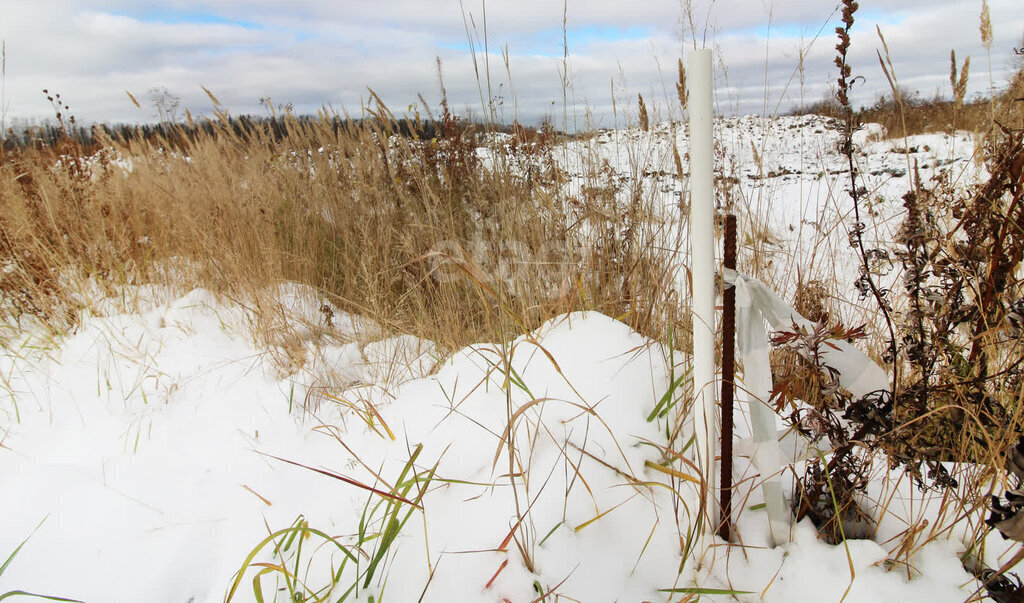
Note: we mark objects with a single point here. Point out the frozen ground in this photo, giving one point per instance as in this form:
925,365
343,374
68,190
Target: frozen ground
156,448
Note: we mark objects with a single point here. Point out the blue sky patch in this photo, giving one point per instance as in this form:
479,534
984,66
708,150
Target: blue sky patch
172,17
548,42
778,30
808,30
581,36
882,17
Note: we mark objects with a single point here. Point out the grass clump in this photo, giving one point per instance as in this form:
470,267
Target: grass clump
950,318
362,556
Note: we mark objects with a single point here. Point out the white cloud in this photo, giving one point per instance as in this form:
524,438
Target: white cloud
313,53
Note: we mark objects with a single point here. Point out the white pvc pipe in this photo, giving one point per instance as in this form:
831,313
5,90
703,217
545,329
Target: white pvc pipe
702,266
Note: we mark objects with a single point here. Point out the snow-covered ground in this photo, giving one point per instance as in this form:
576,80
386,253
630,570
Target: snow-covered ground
785,179
155,448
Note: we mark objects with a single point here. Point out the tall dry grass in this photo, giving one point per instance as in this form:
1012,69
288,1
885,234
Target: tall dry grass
424,235
903,112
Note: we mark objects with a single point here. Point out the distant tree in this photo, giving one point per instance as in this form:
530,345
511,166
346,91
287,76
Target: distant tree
165,103
268,104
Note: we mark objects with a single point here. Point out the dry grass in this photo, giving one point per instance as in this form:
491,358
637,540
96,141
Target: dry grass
416,233
904,113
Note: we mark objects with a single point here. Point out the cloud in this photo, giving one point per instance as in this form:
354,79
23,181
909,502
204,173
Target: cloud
163,15
314,53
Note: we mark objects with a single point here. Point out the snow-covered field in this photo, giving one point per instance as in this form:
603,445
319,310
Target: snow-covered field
156,448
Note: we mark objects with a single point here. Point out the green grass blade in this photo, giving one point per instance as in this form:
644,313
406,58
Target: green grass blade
14,554
248,562
705,591
543,540
667,400
21,593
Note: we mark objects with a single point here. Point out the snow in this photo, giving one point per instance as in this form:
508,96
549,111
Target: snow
139,440
140,443
153,446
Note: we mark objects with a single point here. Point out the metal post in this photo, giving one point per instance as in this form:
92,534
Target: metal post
728,374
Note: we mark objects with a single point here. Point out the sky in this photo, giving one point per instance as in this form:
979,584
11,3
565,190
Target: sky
577,63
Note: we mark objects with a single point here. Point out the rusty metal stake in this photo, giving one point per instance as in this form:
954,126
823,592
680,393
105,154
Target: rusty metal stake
728,375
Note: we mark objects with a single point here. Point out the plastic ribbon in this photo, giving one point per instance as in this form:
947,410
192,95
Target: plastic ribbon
756,304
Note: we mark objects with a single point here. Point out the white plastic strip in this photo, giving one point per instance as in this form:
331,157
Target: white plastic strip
702,258
857,373
755,304
752,339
